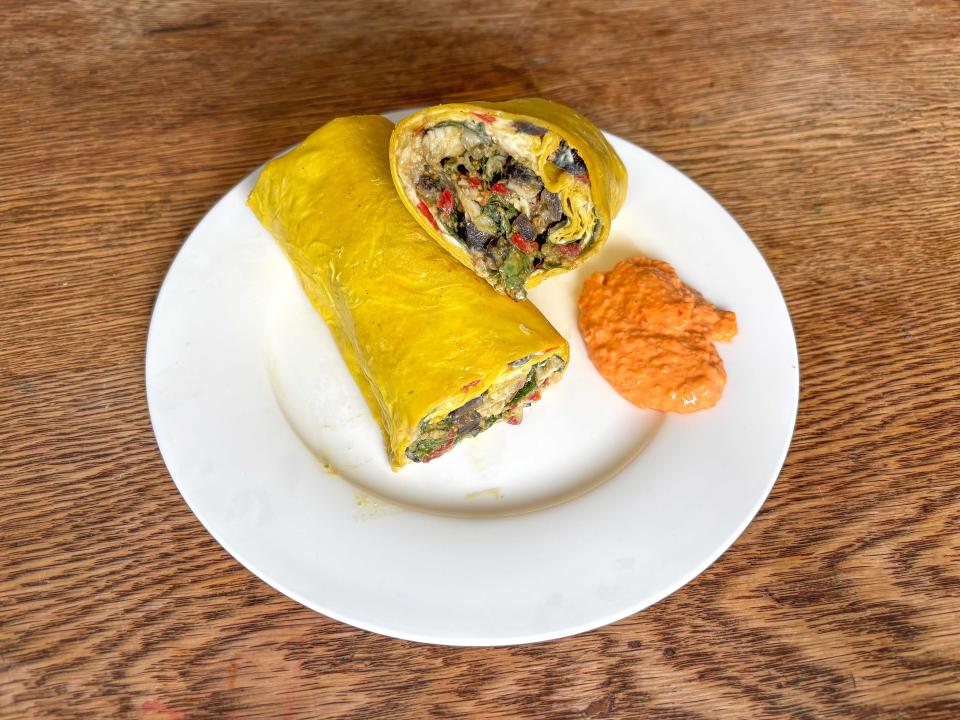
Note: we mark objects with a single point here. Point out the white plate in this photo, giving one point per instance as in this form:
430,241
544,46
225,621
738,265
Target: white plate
268,440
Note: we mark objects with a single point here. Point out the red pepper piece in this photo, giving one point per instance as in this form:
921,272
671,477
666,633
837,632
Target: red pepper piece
425,211
445,203
451,441
527,247
486,117
534,396
571,250
500,187
439,451
474,182
514,419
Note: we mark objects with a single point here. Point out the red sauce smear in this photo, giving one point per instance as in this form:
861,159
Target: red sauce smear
651,336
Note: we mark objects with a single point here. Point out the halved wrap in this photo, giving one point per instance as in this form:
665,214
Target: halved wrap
518,190
438,355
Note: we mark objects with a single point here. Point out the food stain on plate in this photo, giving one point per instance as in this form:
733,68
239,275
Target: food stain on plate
368,507
493,492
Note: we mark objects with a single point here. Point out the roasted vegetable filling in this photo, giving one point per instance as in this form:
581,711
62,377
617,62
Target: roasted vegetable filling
496,205
503,401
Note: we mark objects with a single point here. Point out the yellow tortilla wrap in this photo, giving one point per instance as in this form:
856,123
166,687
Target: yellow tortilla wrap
422,336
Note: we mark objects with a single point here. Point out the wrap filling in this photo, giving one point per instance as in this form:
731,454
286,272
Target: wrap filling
504,400
476,181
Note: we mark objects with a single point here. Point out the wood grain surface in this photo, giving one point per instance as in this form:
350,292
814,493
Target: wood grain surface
831,131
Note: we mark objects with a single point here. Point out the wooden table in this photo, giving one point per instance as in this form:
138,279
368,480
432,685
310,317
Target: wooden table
831,131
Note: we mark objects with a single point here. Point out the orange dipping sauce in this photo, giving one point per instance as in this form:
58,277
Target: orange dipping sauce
651,336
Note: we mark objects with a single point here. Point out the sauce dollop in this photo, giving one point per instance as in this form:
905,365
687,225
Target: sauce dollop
651,336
